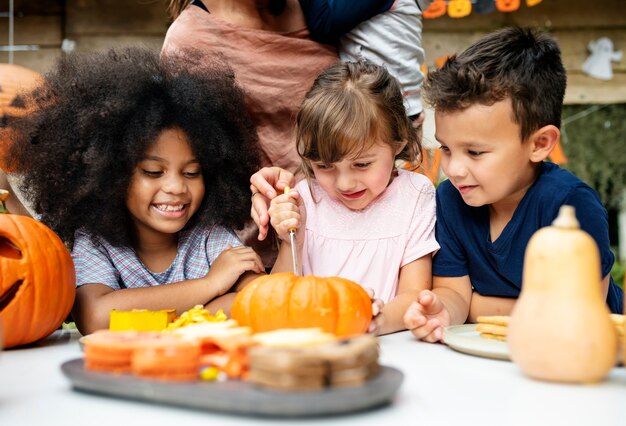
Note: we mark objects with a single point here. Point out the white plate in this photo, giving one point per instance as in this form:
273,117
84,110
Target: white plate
465,338
81,343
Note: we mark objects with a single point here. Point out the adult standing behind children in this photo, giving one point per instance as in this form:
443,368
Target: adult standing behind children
386,32
142,166
267,44
497,113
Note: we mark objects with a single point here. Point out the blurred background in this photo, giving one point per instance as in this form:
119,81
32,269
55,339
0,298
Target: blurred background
34,33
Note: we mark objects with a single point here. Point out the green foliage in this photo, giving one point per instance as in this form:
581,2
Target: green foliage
594,140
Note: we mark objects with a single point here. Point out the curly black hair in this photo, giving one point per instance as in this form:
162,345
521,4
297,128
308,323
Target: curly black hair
97,114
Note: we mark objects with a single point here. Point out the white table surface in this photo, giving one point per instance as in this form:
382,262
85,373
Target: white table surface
441,386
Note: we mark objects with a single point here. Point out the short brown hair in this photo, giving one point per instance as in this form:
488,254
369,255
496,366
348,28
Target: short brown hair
514,63
350,106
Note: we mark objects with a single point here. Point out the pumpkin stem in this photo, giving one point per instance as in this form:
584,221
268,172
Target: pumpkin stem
4,195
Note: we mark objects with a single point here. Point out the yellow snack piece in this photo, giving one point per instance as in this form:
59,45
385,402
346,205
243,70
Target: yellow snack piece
209,374
141,320
196,315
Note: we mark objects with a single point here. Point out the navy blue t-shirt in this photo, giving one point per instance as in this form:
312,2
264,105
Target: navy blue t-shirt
495,269
327,20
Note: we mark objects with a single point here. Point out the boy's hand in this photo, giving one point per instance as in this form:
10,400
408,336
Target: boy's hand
427,317
264,186
230,264
377,313
285,213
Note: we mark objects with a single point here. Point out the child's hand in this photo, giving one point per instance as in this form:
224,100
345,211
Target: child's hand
230,264
264,185
285,212
427,317
377,313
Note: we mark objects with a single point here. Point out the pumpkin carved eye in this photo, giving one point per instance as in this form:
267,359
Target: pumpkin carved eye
8,249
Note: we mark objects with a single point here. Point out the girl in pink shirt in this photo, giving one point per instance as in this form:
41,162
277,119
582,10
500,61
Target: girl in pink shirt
356,215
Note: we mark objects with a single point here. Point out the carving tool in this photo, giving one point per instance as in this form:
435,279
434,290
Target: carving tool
292,240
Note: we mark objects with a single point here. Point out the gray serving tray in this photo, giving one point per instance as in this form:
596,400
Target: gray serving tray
239,397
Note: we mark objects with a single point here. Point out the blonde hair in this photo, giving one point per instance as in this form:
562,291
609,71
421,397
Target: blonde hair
351,106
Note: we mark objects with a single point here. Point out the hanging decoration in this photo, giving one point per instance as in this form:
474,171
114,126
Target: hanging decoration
462,8
435,10
507,5
598,65
459,8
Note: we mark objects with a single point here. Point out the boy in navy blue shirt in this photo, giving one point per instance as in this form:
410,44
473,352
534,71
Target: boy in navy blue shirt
498,112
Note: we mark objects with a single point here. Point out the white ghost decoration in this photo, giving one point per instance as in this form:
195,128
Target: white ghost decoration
598,65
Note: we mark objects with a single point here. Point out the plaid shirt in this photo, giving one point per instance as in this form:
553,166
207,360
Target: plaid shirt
119,267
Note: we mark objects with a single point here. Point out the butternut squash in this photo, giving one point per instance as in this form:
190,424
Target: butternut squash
560,328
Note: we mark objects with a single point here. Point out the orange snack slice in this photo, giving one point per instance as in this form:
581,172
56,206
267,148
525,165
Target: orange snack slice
111,351
169,358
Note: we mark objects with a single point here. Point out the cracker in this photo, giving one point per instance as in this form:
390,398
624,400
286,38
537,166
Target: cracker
498,330
493,336
502,320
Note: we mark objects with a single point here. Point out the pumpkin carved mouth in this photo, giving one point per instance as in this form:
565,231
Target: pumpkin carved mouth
8,295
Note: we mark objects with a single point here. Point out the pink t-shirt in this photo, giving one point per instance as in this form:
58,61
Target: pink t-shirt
274,69
371,245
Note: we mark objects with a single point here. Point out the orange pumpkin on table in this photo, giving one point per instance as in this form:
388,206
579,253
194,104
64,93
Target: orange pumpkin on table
37,279
285,300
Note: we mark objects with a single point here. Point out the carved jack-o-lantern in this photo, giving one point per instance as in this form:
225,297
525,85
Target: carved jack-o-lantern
15,81
37,279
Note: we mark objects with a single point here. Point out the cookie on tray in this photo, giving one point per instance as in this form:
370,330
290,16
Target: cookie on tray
287,368
351,362
282,360
347,362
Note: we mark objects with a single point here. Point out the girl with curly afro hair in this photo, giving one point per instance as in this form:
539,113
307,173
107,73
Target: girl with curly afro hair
141,164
